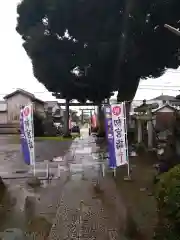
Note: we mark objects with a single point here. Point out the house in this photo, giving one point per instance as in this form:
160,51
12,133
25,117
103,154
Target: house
54,109
164,117
151,118
160,100
51,106
19,98
166,99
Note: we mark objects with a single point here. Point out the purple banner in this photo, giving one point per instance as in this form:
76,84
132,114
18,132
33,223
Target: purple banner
110,136
24,143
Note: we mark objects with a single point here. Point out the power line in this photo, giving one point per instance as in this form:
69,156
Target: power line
144,87
171,71
151,85
158,89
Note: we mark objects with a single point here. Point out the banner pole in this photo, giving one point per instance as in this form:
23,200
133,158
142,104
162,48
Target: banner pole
126,139
34,169
34,162
114,171
103,170
102,165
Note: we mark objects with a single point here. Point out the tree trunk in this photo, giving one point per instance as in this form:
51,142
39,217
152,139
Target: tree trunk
127,107
101,124
66,120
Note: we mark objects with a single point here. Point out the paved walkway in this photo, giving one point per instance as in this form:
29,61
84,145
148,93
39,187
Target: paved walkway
86,211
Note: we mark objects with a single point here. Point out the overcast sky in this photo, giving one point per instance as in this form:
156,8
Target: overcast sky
16,69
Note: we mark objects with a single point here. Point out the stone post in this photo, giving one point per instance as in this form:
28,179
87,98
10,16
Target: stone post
150,130
139,131
150,135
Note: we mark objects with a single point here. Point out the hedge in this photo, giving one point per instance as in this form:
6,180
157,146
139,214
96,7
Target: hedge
167,194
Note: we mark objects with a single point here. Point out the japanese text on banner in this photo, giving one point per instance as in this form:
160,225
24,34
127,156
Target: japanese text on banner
28,130
119,134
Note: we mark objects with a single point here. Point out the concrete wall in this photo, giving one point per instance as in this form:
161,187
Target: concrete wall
9,128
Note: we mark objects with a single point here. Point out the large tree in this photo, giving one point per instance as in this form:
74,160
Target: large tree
111,44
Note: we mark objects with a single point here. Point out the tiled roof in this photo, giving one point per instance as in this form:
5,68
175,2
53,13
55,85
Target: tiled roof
165,98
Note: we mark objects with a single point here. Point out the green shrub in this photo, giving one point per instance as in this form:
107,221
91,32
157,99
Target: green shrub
167,194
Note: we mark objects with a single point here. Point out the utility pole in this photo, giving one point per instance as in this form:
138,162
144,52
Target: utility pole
172,29
175,31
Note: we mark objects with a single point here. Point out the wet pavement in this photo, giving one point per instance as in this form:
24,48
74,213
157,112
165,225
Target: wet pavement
89,206
77,202
11,159
20,202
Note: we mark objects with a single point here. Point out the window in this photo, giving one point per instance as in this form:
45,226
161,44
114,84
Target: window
16,117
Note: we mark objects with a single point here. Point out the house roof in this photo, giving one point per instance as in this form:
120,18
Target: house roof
165,98
23,92
164,106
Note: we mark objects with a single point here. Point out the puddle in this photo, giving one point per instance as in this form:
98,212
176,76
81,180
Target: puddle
58,159
76,168
84,150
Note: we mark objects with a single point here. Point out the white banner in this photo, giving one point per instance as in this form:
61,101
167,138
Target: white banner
119,131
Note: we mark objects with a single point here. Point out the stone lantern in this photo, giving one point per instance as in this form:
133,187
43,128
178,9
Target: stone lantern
144,117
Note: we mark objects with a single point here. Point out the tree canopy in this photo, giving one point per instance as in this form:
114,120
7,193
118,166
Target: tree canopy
86,49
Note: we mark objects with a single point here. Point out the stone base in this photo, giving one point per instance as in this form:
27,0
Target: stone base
128,179
34,182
